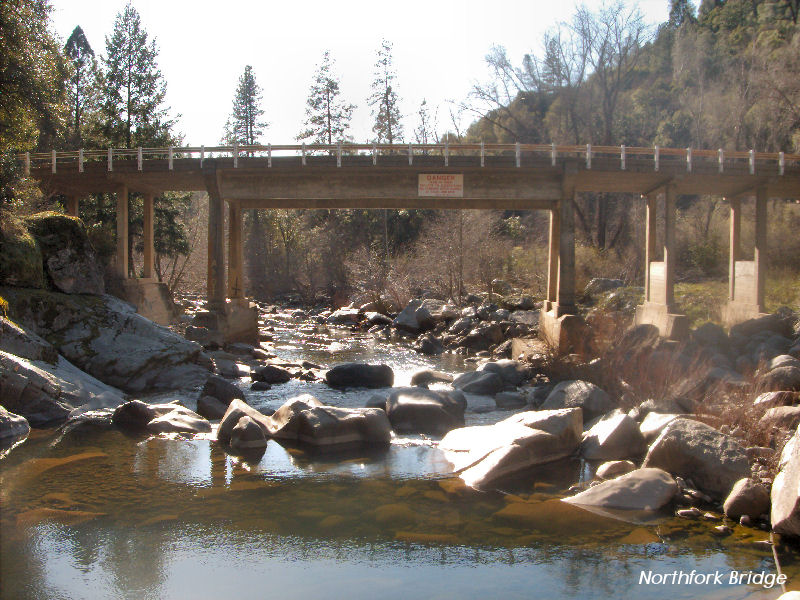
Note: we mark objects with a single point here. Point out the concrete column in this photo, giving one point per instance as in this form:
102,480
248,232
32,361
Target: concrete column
148,224
72,206
122,232
235,252
650,241
552,257
216,237
669,247
736,245
760,253
565,294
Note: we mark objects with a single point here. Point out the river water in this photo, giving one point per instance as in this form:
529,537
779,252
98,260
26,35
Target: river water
104,514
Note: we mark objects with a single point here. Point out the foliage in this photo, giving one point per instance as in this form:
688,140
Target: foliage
245,125
83,89
327,116
20,258
384,101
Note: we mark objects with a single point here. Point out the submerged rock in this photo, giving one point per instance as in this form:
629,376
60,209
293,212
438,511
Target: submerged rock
642,489
419,410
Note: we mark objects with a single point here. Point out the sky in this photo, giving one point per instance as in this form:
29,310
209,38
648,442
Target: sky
439,49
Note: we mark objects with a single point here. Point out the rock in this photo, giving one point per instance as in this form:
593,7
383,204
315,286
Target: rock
785,417
614,468
13,428
21,262
221,389
501,314
29,391
425,411
710,334
236,410
271,374
642,489
335,426
503,351
510,400
654,423
693,450
133,415
440,311
600,285
247,436
785,495
24,344
512,372
240,348
360,375
746,498
782,379
479,382
211,408
501,287
689,513
461,326
523,303
768,399
285,422
106,338
615,436
427,376
774,323
204,336
483,336
414,318
579,394
783,360
69,258
722,530
260,386
179,420
526,317
429,344
344,316
376,318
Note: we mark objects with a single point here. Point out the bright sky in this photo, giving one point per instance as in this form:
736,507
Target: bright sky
439,50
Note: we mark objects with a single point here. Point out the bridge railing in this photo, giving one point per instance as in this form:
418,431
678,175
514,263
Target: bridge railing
763,162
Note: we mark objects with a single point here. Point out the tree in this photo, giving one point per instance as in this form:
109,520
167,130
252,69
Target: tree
425,133
680,12
327,116
133,89
384,100
81,96
32,75
245,125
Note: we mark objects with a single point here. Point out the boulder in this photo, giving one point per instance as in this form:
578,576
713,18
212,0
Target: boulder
247,436
344,316
260,386
579,394
512,372
69,257
501,287
654,423
614,468
207,338
785,378
746,498
107,339
429,344
414,318
285,422
440,311
710,334
500,315
25,344
693,450
427,376
221,389
179,420
785,495
510,400
785,417
134,415
526,317
782,360
211,408
21,262
482,336
600,285
479,382
613,437
376,318
642,489
334,426
461,326
27,390
236,410
522,303
271,374
13,428
360,375
420,410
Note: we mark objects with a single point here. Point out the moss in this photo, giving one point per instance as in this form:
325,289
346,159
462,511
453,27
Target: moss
54,231
20,255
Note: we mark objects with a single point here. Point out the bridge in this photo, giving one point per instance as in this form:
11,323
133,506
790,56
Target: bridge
438,176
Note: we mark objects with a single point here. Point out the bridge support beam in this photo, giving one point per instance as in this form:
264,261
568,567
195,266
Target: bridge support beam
559,326
148,224
659,302
746,277
72,206
122,232
235,252
216,236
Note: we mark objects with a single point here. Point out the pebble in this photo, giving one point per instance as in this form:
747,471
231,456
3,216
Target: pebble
681,483
688,513
711,517
722,530
746,521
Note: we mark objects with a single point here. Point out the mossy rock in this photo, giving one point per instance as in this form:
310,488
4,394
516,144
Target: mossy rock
21,263
54,231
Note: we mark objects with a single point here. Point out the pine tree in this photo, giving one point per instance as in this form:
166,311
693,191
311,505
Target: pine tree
82,92
680,12
425,132
384,100
245,126
133,89
327,116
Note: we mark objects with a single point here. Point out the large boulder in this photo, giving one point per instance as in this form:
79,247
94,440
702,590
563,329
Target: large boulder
654,423
285,422
106,338
28,391
344,316
211,408
693,450
221,389
784,378
13,428
642,489
785,417
427,376
69,257
482,455
158,418
25,344
613,437
333,426
414,318
420,410
270,374
247,436
21,258
483,383
579,394
236,410
360,375
512,372
746,498
785,495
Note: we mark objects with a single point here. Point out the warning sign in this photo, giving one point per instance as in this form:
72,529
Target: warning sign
441,186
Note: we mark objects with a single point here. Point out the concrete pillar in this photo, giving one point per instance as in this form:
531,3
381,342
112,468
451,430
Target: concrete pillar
565,294
669,247
72,206
235,251
122,232
650,242
552,258
216,237
736,245
760,253
148,225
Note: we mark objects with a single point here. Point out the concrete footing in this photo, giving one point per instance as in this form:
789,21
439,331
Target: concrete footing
236,321
565,333
670,325
735,312
151,298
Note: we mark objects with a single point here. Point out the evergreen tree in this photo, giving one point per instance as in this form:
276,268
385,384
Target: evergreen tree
82,93
384,100
133,89
245,126
680,12
327,116
425,132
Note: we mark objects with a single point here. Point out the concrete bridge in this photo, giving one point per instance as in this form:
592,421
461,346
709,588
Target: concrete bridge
437,176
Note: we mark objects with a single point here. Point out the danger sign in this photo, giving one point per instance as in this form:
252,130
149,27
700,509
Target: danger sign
441,186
